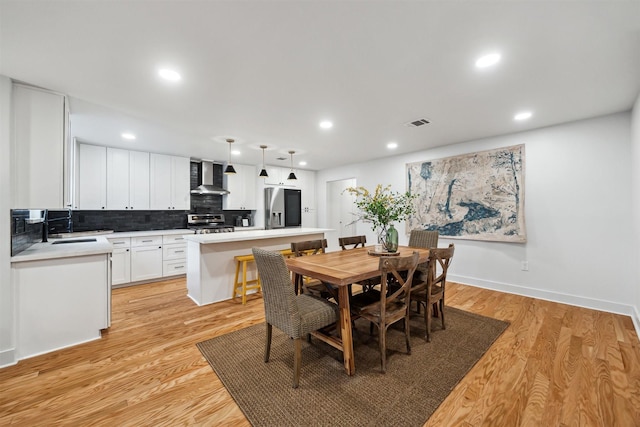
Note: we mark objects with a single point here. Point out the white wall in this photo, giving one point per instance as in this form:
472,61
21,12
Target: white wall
578,206
7,329
635,167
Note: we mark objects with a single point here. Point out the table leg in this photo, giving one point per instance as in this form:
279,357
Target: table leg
345,330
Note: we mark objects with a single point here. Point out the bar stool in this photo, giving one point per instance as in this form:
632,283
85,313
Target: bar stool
240,287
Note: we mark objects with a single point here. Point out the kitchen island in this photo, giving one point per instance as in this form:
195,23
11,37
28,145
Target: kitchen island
210,263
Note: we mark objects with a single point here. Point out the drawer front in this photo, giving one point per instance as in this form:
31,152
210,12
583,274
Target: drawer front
146,241
122,242
175,251
174,268
174,238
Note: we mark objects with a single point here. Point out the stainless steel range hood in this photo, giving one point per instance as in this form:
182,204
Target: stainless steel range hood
207,186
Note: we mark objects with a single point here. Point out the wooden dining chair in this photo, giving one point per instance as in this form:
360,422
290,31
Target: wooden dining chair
304,284
422,239
352,242
383,310
430,292
295,315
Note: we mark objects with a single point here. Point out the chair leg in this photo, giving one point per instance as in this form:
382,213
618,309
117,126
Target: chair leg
267,346
442,313
382,330
406,331
297,361
427,321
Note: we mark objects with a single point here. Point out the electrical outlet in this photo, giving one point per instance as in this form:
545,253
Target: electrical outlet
525,265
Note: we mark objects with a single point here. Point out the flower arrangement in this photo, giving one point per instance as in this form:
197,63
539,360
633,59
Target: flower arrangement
383,207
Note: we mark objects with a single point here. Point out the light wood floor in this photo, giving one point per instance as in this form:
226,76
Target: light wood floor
555,365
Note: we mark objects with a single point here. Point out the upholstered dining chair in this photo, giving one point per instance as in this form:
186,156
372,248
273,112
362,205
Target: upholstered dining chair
295,315
302,284
384,310
430,292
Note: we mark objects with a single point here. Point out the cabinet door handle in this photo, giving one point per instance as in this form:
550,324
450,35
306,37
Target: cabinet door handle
147,241
159,247
127,250
178,266
179,252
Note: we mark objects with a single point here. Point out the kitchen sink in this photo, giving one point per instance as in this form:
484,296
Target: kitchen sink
59,242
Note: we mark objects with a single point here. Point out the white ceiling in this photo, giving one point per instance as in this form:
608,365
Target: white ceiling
267,72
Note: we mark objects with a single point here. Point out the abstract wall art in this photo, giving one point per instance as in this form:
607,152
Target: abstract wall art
476,196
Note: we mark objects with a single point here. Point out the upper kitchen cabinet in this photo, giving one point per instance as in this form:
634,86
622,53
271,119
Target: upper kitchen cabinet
91,186
242,189
278,176
170,182
127,179
39,126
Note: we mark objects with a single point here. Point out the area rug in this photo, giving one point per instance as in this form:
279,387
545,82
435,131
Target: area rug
410,391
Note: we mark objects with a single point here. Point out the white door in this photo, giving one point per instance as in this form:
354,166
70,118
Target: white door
120,266
340,211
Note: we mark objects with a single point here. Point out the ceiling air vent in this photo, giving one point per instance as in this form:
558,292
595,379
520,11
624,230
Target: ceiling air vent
417,123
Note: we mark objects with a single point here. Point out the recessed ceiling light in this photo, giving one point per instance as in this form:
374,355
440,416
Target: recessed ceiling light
488,60
522,116
170,75
326,124
128,135
392,145
303,163
236,152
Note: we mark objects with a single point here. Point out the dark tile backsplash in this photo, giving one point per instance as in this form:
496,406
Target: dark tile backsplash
23,233
129,220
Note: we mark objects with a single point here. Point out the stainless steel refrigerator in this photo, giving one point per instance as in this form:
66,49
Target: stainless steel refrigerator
283,208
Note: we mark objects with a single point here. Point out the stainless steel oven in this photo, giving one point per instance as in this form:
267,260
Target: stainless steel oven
205,223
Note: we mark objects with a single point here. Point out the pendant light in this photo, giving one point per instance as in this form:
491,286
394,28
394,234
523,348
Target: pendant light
292,175
229,170
263,172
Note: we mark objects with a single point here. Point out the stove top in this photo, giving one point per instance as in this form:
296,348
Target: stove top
205,223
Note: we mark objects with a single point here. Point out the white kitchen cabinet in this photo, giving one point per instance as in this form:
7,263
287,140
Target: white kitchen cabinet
117,179
91,185
120,261
138,180
174,258
146,258
127,179
306,180
278,177
39,123
60,302
169,182
242,189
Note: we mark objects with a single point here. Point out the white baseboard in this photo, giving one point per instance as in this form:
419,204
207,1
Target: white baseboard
8,358
578,301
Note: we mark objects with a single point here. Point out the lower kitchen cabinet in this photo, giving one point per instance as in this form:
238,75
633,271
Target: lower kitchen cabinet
120,261
60,302
140,259
146,258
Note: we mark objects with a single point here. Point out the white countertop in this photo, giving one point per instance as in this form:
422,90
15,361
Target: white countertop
42,251
253,235
122,234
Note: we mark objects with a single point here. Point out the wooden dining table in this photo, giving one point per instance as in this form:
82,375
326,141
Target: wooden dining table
341,269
